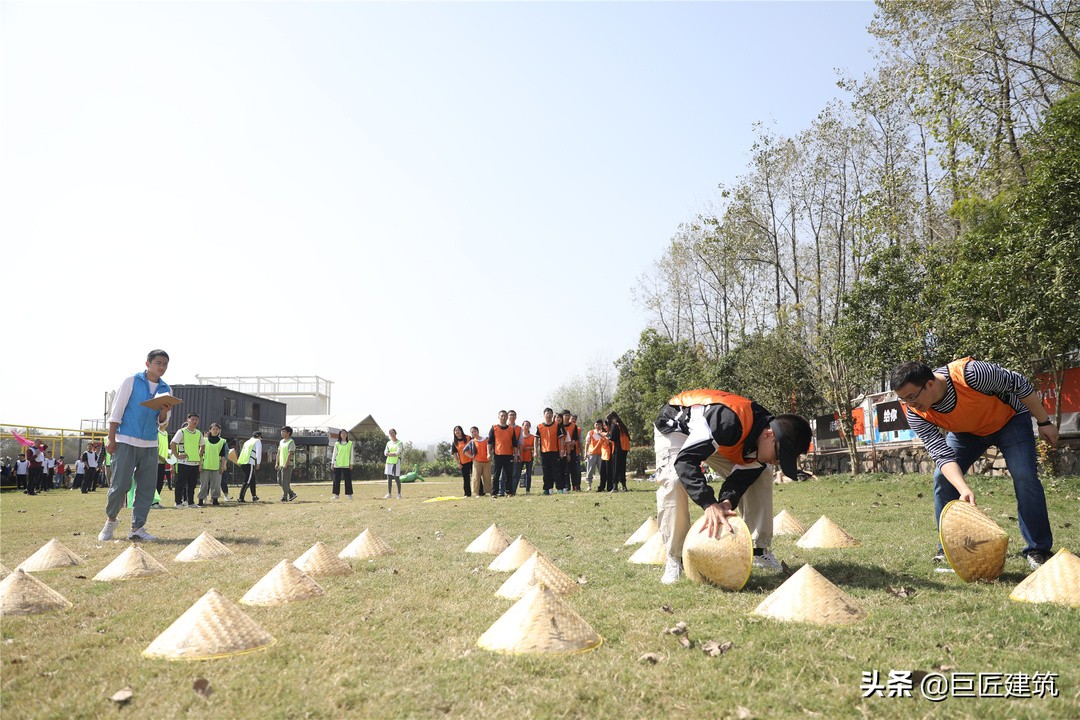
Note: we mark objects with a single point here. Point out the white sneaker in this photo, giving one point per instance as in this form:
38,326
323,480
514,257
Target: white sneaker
386,496
106,532
766,561
141,534
180,505
399,496
348,497
672,572
334,497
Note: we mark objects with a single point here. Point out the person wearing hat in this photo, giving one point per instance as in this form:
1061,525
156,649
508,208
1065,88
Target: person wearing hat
249,461
739,439
133,443
979,404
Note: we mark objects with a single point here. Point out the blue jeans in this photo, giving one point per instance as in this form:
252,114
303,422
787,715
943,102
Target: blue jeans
1017,444
518,481
138,464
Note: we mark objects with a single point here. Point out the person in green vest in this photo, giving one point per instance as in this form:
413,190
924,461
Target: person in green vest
343,450
392,451
162,461
249,461
187,446
286,461
214,450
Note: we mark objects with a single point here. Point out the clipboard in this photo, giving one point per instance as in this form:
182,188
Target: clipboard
161,402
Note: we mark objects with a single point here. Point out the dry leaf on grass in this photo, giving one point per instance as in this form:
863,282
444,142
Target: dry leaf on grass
651,658
667,608
679,629
716,649
582,580
686,642
743,713
901,592
120,697
202,688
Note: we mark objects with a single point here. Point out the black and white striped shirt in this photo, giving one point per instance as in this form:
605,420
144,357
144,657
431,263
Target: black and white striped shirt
987,378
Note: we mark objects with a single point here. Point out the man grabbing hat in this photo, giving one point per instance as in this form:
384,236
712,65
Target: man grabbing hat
739,440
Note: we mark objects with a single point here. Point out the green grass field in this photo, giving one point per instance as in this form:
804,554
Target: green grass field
398,638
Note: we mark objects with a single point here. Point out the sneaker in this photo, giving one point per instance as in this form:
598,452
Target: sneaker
284,498
201,504
292,496
940,557
106,532
179,505
766,561
141,534
348,497
215,502
672,572
155,506
335,497
399,496
226,498
241,500
386,496
193,506
254,499
1036,558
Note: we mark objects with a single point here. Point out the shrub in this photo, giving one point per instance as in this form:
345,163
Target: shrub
638,459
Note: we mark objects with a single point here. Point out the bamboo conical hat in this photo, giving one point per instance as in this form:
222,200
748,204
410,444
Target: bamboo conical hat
204,547
536,570
826,534
132,563
23,594
808,596
513,556
724,561
974,544
366,545
644,532
491,542
4,572
320,560
51,555
285,583
653,552
214,627
540,622
787,524
1057,581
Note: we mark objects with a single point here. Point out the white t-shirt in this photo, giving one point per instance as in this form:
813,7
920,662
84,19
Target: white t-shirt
80,467
91,460
22,467
116,415
178,438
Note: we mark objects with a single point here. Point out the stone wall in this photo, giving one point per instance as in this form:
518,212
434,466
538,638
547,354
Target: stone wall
914,459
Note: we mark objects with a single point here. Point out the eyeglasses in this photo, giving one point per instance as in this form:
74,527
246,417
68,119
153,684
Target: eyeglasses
913,398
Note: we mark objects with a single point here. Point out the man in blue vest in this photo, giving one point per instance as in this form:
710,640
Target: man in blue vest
133,444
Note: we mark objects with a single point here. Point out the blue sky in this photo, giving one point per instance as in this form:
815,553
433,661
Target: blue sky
443,208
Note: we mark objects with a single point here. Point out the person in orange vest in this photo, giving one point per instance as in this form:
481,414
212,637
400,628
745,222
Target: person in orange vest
572,442
605,459
979,404
620,445
479,449
526,448
457,445
739,439
503,440
592,453
550,434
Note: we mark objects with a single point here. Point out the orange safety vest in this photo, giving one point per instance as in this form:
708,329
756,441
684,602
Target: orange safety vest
624,440
571,443
527,443
504,439
736,403
605,449
549,437
462,456
593,445
481,450
975,412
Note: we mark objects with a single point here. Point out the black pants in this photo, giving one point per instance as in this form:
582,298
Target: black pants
549,465
90,479
187,477
525,465
342,474
618,468
20,482
162,469
501,469
574,464
563,481
247,480
33,480
605,475
466,478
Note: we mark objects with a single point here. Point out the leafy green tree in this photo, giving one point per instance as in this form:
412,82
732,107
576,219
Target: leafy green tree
771,369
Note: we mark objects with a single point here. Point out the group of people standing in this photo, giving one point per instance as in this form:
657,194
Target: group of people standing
37,470
500,462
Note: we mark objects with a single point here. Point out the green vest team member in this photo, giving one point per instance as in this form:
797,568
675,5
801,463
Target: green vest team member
133,439
392,451
187,445
214,450
286,461
249,461
343,450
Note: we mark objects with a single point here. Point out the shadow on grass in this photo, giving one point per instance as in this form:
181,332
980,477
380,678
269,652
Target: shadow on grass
847,574
225,539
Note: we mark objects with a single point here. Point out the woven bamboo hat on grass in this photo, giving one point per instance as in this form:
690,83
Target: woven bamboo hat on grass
51,555
204,547
974,544
284,584
1057,581
214,627
787,524
652,552
23,594
826,534
725,561
491,542
538,569
644,532
514,556
320,560
540,623
367,545
809,597
132,563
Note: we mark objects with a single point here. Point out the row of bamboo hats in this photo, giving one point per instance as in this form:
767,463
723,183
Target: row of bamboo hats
541,621
212,627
